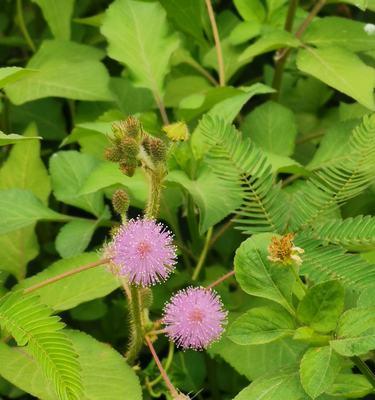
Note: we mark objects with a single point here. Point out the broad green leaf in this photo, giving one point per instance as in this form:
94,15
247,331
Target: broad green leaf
258,276
74,237
227,109
76,289
47,114
355,334
251,10
12,138
341,32
107,174
318,370
65,69
322,306
187,16
271,40
342,70
23,169
116,381
188,371
213,206
58,15
69,171
283,386
21,208
352,386
272,127
244,31
261,325
12,74
137,34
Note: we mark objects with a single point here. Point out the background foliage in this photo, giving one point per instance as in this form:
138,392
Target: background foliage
282,139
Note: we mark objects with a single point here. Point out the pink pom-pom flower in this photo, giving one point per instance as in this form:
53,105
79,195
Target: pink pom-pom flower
194,318
143,251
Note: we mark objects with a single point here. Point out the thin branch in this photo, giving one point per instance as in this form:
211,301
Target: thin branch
221,231
23,26
66,274
221,279
219,52
202,257
163,112
163,373
168,363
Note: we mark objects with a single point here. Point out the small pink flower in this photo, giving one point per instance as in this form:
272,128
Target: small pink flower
194,318
143,251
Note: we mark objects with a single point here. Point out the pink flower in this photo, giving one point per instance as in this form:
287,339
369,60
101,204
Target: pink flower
143,251
194,318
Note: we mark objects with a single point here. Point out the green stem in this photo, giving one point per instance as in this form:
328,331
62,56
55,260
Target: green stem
156,179
137,331
364,368
202,257
280,64
23,26
298,279
168,363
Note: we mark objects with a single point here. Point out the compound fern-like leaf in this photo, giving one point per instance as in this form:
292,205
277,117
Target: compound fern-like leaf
239,162
30,323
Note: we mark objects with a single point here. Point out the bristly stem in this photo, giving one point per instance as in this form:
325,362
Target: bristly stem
219,52
137,331
156,187
23,26
66,274
280,63
364,368
202,257
163,373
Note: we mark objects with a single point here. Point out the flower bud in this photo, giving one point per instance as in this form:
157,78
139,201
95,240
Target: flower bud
112,154
129,147
155,148
128,167
120,201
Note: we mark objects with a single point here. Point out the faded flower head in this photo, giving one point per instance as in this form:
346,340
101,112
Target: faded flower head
282,250
194,318
143,251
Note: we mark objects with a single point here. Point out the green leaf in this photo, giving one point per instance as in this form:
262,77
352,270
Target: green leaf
342,70
69,172
261,325
12,74
58,15
187,16
259,277
5,140
272,127
341,32
76,289
244,31
318,370
29,322
283,386
65,69
117,380
271,40
355,334
204,191
188,371
20,208
137,34
74,237
352,386
322,306
251,10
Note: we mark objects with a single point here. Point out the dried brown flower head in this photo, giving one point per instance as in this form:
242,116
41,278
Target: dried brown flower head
282,250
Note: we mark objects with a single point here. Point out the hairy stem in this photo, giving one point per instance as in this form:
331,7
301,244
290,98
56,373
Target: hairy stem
156,182
163,373
221,279
23,26
66,274
219,52
137,331
364,368
202,257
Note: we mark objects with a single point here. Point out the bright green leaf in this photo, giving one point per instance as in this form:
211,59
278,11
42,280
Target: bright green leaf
13,138
252,10
65,69
322,306
261,325
12,74
342,70
352,386
318,370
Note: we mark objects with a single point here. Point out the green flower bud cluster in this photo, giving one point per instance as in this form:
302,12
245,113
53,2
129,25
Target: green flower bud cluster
155,148
125,143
